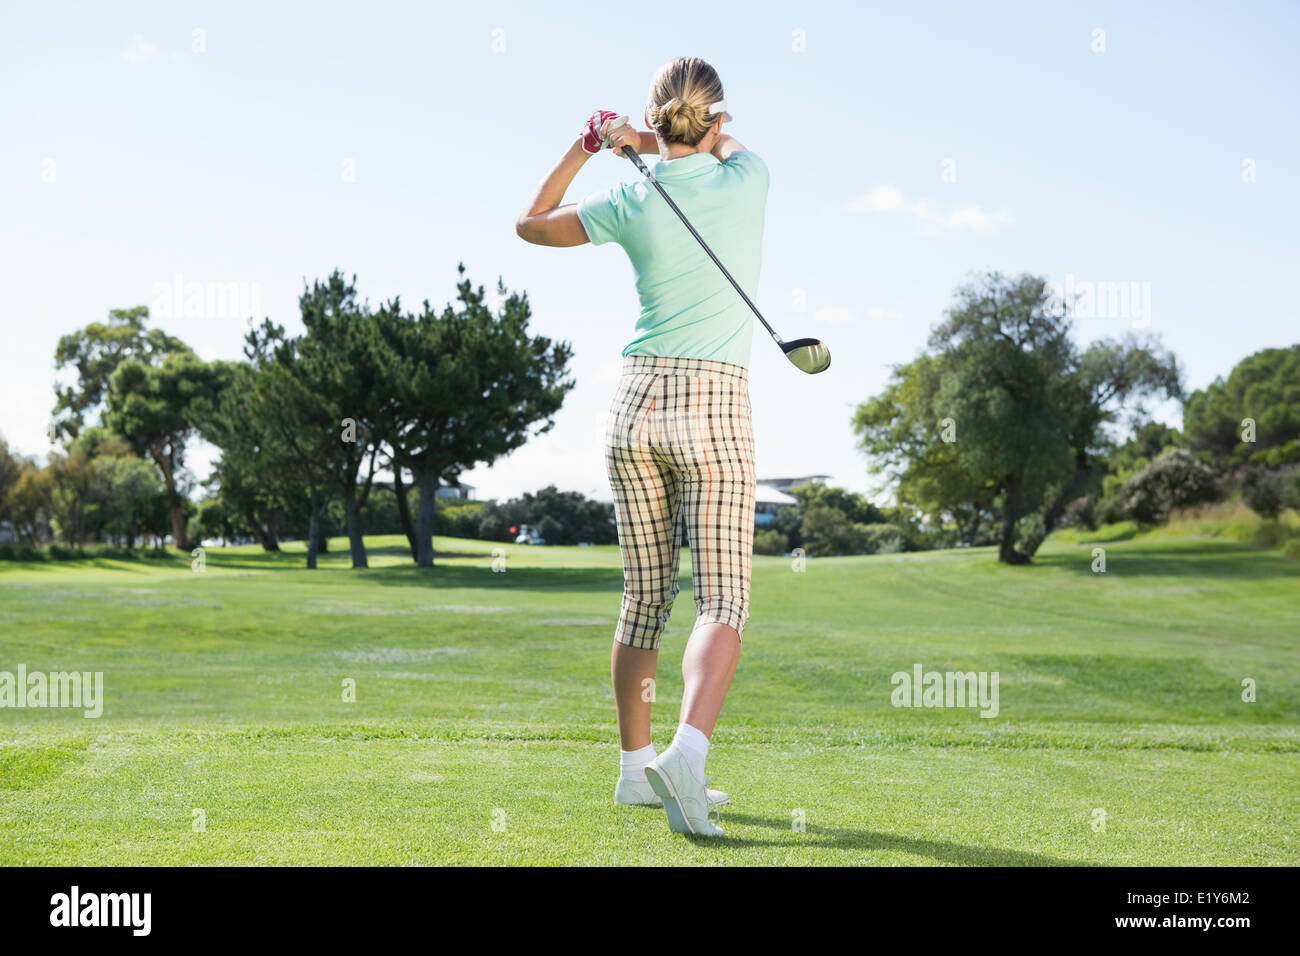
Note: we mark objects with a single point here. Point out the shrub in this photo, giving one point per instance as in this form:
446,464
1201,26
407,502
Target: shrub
827,531
550,530
883,538
10,552
770,541
492,526
1081,513
459,520
1173,480
1262,492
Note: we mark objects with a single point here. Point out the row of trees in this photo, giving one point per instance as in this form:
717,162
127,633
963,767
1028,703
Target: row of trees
1004,426
304,424
1002,430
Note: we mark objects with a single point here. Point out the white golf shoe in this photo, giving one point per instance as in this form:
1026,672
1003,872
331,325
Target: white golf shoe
641,794
685,798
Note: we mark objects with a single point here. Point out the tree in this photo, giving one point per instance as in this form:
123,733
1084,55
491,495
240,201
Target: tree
301,438
463,387
155,408
256,480
1021,408
828,530
134,497
95,352
11,466
1264,388
26,507
897,428
853,506
561,517
79,489
24,495
338,359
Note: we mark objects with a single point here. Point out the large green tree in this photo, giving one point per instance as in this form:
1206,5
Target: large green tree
1004,410
463,387
338,359
298,435
94,353
1263,388
252,480
155,408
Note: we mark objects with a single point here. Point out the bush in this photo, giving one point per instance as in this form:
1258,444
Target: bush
459,520
550,530
883,538
1081,513
492,525
1173,480
1292,549
770,541
1030,532
1262,492
9,552
828,531
788,521
574,518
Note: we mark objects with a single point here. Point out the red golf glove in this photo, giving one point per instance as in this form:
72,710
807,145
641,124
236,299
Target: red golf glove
593,132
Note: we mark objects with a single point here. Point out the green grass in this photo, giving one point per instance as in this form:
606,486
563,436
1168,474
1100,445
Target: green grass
484,697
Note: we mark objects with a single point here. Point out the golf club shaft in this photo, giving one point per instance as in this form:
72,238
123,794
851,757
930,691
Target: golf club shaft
632,155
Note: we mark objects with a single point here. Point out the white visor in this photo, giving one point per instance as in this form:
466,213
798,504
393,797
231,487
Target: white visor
720,107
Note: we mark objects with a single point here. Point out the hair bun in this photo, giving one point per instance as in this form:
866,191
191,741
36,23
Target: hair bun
680,95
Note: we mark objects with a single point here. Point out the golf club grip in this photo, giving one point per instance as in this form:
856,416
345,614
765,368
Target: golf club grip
640,164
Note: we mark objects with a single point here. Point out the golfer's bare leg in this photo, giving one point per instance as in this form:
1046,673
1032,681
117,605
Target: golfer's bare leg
707,668
630,668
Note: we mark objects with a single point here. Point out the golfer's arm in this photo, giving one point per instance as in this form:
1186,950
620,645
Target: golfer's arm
546,222
725,146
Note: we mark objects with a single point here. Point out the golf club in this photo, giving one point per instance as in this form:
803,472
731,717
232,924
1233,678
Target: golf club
807,355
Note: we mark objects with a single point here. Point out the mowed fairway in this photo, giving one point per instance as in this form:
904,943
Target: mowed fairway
483,729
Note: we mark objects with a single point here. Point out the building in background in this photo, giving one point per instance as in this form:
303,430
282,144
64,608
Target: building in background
785,484
769,501
773,495
463,492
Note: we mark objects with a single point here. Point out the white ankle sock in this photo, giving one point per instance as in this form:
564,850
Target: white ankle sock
632,763
694,747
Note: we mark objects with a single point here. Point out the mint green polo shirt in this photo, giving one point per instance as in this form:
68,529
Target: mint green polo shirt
688,308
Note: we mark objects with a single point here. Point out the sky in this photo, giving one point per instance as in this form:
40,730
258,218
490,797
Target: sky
239,150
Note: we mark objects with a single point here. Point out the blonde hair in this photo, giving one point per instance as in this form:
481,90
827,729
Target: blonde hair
680,95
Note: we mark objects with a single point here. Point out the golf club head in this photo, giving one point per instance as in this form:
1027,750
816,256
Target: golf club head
808,355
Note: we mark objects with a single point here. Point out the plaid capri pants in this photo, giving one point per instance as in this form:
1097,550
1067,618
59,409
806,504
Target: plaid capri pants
679,451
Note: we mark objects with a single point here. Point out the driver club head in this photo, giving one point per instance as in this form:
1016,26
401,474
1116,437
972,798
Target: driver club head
808,355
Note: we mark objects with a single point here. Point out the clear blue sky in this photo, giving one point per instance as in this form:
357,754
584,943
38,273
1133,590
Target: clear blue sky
227,166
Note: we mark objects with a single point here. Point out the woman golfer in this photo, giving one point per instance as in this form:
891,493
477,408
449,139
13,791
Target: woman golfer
679,445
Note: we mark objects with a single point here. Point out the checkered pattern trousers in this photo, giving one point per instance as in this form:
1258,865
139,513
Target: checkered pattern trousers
679,451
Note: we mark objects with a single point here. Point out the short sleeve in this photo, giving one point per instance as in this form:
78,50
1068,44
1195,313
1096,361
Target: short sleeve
602,215
751,169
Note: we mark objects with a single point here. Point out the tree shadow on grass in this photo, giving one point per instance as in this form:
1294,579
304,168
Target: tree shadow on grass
1209,559
481,577
941,851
